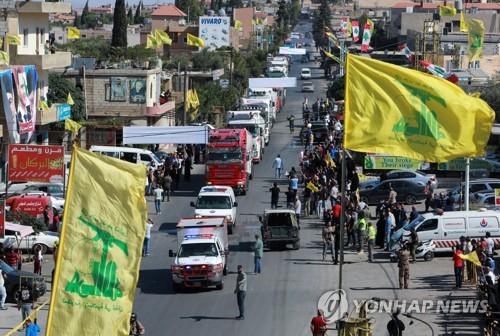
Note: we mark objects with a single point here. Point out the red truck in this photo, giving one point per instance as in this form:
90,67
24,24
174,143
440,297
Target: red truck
229,159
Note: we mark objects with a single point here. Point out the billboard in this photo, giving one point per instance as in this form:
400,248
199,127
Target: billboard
391,162
214,30
138,91
36,163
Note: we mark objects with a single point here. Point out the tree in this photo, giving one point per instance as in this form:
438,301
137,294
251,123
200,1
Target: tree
59,87
191,7
207,60
119,34
85,14
138,19
321,20
78,22
234,4
96,47
336,89
491,95
130,16
294,12
282,15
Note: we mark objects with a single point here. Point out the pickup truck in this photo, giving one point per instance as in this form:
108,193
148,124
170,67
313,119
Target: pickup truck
279,228
201,257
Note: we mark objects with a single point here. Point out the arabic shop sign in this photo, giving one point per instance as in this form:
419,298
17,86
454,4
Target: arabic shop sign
391,162
35,163
459,165
63,111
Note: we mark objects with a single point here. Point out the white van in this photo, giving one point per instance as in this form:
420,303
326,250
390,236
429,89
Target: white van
133,155
217,201
446,229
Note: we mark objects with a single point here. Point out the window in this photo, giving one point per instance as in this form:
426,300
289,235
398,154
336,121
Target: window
111,154
428,225
494,185
145,157
130,157
25,36
478,187
407,175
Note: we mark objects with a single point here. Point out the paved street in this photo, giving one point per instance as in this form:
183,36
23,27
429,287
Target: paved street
282,300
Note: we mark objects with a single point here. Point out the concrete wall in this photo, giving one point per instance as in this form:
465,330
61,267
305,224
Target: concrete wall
37,27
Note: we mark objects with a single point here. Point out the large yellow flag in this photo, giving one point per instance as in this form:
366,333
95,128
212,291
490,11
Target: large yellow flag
476,39
447,11
403,112
152,42
463,23
195,41
162,37
73,33
100,249
472,257
71,125
12,39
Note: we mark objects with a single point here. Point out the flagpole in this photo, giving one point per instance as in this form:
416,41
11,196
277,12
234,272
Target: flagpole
343,204
467,183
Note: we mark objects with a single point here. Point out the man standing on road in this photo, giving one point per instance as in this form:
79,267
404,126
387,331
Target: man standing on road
291,123
318,324
458,264
404,267
336,237
390,223
328,240
167,186
278,166
372,234
241,292
361,231
158,194
275,195
25,302
413,244
258,250
3,292
297,206
490,248
146,248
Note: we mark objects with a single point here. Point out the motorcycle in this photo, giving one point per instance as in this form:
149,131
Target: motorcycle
425,250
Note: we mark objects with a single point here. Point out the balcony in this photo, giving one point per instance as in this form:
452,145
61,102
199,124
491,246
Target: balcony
42,7
159,110
45,62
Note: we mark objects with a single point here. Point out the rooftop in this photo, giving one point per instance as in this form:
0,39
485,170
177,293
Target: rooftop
168,10
434,5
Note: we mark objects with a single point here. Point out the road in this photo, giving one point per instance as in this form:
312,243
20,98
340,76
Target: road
282,300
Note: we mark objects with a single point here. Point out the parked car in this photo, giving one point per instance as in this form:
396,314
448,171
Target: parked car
479,185
54,189
401,174
35,282
307,87
408,191
483,201
46,240
279,228
305,73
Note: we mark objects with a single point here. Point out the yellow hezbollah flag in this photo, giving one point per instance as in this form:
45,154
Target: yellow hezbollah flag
333,57
162,37
472,257
73,33
4,57
333,38
43,105
100,249
312,187
397,111
71,125
152,42
463,24
476,39
447,11
329,160
195,41
12,39
237,25
70,100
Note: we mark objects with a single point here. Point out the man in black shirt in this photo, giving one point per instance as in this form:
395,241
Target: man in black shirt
395,326
275,195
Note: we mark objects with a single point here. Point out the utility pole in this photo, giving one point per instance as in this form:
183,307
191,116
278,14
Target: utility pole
184,118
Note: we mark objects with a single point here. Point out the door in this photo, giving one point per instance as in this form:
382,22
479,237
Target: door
379,193
453,227
429,230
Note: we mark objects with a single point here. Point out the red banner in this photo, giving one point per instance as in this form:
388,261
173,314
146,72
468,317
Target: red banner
36,163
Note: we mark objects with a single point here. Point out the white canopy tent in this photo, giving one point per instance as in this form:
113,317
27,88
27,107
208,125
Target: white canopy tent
142,135
278,82
292,51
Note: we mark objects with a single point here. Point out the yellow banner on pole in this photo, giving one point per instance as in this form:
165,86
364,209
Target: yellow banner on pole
100,250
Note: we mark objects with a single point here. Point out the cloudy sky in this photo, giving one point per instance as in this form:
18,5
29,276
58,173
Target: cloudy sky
95,3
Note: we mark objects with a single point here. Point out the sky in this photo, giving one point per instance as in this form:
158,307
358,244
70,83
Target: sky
96,3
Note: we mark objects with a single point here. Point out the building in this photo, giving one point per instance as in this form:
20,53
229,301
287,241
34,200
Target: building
133,34
245,16
131,96
30,21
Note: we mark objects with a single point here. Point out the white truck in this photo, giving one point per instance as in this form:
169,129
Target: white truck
263,106
255,124
202,253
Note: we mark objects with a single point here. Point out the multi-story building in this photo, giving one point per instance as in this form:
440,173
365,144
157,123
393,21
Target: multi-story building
30,21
